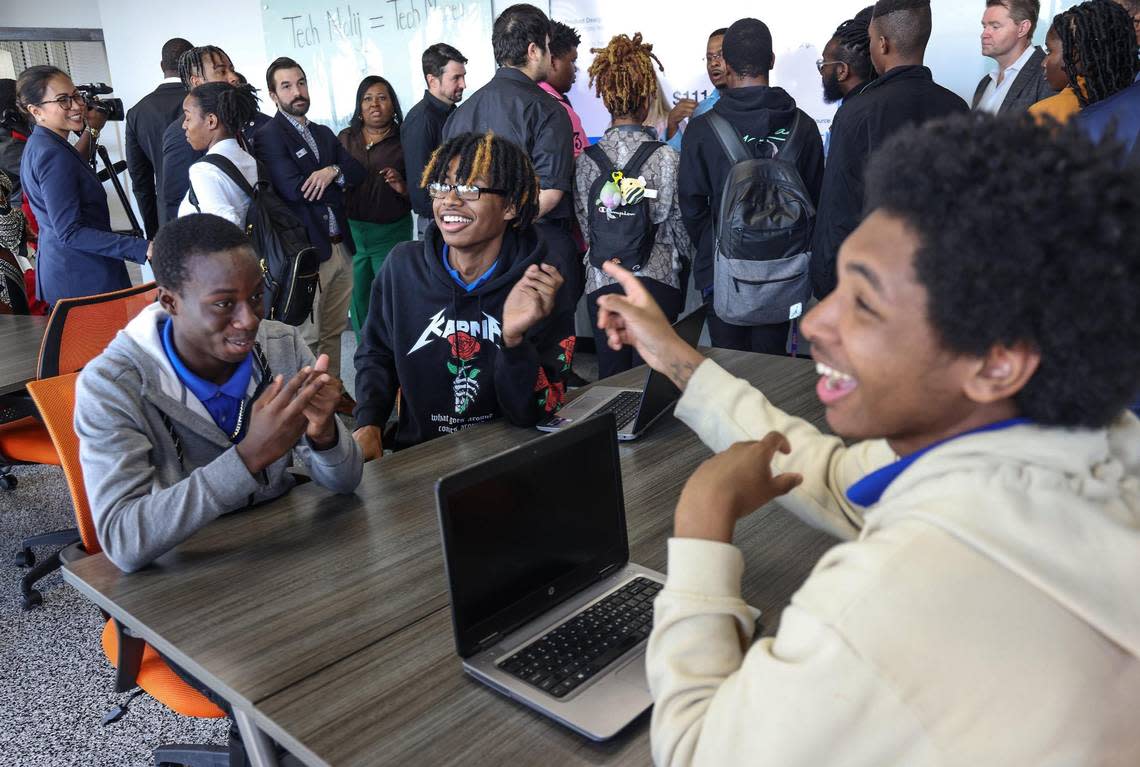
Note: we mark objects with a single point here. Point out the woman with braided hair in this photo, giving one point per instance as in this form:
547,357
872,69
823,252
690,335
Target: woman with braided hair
472,323
622,74
213,116
1092,48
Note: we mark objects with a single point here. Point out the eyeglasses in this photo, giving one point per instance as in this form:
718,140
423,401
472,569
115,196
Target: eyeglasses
820,64
463,191
66,101
713,57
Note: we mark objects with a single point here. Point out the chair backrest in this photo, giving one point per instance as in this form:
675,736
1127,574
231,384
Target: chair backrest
55,399
79,329
13,297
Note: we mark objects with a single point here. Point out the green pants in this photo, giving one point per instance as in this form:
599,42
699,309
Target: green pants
373,243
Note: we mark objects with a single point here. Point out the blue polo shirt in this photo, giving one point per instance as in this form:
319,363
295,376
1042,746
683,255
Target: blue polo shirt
459,280
221,402
868,491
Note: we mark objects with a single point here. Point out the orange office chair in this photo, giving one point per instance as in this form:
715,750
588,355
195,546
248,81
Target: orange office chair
137,663
78,330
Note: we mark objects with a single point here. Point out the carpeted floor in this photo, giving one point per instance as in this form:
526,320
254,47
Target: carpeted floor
55,683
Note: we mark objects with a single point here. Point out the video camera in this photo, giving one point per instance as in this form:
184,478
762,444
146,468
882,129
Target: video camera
113,108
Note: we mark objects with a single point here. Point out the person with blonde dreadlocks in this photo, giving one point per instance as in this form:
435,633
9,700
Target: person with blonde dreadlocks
472,323
622,76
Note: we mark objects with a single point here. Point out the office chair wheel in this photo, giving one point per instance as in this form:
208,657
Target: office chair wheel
25,558
7,482
33,599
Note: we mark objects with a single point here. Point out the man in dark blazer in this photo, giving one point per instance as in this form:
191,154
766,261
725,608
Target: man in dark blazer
309,169
1007,36
146,122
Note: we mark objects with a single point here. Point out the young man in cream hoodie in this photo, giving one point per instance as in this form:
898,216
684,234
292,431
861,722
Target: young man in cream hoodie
983,609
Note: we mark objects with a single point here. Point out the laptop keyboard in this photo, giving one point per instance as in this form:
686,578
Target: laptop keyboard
571,654
623,406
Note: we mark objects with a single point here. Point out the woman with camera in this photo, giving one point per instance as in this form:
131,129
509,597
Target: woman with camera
78,253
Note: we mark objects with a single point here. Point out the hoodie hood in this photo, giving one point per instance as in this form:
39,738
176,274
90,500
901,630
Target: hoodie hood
1060,508
519,250
760,110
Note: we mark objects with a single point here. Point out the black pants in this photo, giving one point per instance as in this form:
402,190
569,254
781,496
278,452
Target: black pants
610,362
763,339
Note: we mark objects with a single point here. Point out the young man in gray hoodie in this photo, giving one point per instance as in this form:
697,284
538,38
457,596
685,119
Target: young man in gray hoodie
199,407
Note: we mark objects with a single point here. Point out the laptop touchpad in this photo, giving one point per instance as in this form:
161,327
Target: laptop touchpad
633,673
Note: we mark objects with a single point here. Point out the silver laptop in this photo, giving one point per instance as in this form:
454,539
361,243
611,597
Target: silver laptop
634,409
546,606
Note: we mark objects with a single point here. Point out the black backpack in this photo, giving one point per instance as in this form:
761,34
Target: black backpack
288,261
625,232
762,246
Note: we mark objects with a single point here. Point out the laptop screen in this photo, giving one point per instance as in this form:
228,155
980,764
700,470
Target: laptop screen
531,527
659,391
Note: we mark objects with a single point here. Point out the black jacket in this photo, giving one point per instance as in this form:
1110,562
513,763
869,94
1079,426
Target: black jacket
146,125
757,113
903,96
289,161
439,346
1029,87
421,133
514,107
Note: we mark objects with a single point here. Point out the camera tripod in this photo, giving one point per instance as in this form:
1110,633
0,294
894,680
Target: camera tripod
112,170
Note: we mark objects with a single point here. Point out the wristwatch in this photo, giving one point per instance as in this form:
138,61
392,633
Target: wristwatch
336,167
94,132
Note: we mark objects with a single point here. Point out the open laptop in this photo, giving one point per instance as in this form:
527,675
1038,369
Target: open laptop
635,409
546,606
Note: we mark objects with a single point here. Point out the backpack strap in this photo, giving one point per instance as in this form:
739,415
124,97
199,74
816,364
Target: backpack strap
640,157
226,166
600,158
794,142
731,143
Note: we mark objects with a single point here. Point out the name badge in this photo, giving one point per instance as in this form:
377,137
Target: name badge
301,153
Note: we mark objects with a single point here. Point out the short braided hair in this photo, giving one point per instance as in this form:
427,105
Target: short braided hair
193,62
622,74
182,240
234,106
500,163
1099,44
854,40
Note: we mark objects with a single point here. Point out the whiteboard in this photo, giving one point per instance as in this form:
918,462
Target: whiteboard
338,45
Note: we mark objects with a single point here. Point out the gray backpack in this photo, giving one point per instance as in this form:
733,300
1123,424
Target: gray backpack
762,245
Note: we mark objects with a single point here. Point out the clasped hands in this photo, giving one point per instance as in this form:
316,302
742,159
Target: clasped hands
305,405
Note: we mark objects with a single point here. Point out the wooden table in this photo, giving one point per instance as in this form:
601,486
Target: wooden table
323,619
20,337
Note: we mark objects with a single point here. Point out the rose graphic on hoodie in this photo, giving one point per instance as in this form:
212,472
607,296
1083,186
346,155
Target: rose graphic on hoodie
464,348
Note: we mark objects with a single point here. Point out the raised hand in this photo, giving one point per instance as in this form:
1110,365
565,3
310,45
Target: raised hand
395,180
531,299
277,420
635,319
320,412
730,486
682,109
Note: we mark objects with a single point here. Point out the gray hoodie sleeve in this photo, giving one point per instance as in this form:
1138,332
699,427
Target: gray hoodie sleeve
338,468
135,518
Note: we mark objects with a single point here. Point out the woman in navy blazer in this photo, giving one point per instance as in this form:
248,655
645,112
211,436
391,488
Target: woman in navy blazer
78,253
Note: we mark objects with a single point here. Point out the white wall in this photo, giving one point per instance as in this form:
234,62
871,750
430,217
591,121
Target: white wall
82,14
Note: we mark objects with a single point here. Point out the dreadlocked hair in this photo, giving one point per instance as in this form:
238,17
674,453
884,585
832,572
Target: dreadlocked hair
492,160
193,62
234,106
1099,44
854,40
622,74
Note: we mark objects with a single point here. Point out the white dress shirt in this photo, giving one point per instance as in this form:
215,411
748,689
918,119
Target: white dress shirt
216,193
995,94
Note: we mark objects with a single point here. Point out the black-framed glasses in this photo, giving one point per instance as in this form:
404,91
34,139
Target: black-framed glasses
66,101
820,64
467,192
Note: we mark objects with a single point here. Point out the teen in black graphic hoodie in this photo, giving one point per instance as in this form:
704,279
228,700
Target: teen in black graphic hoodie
472,323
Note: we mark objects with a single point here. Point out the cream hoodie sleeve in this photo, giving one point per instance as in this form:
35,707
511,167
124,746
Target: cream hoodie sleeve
724,410
803,699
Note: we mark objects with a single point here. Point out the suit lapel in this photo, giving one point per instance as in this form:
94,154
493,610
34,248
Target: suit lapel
1026,75
302,154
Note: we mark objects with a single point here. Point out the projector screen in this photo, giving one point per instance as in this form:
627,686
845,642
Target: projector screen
679,31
